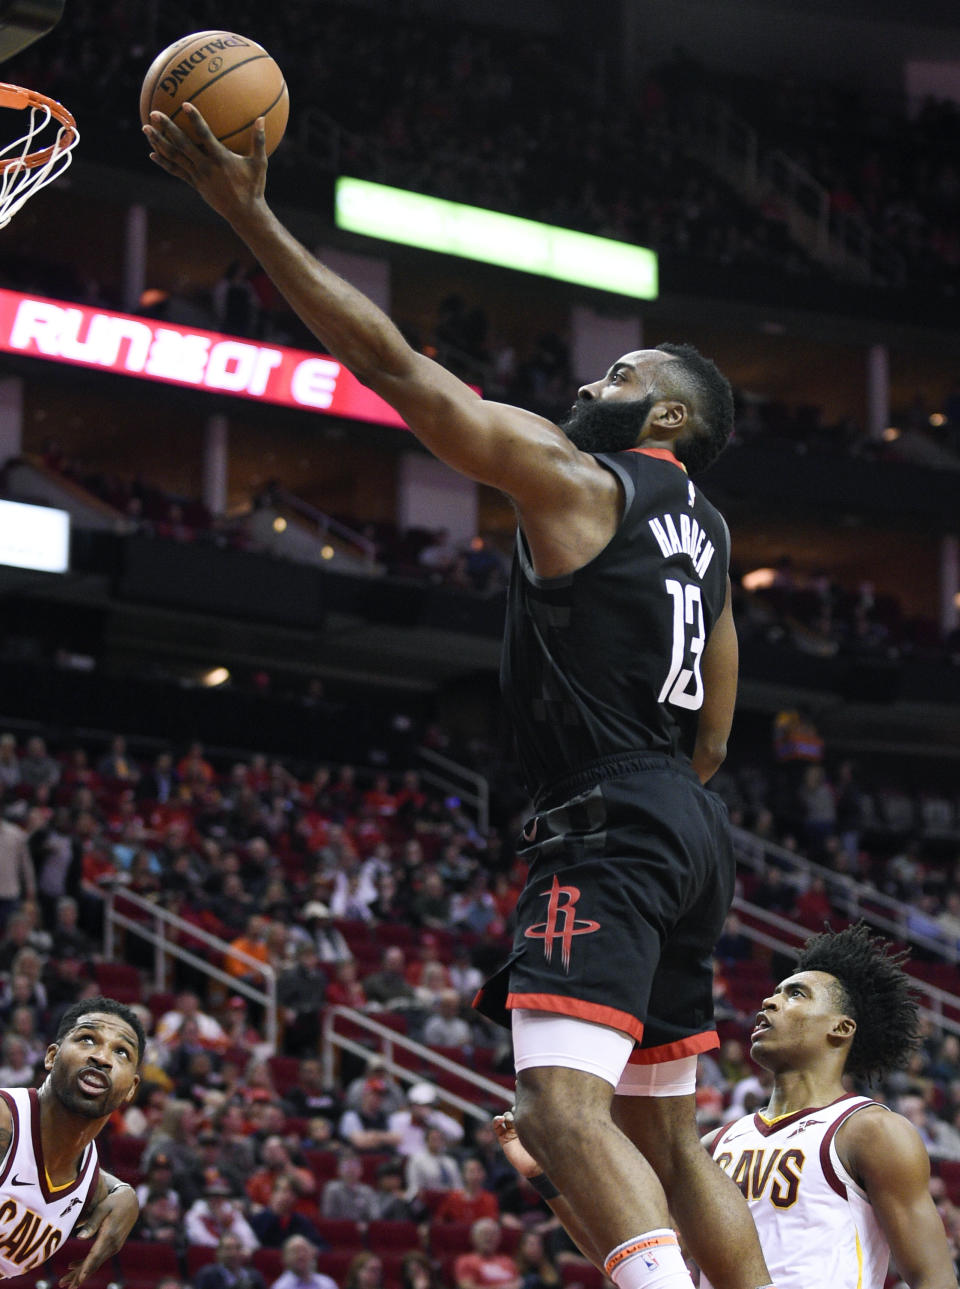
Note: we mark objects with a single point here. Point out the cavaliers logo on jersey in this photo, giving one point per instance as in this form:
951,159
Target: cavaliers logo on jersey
771,1173
25,1239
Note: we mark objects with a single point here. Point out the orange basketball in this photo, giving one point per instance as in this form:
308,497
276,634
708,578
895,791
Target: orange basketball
230,79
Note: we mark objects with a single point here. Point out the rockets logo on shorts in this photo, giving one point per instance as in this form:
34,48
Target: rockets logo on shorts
562,923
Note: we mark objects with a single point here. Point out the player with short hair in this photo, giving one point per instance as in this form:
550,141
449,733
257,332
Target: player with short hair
619,672
51,1184
836,1182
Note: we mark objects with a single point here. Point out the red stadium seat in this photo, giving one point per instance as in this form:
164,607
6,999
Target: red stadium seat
143,1262
949,1170
370,1165
269,1262
509,1239
125,1153
335,1265
199,1255
118,980
392,1020
581,1273
159,1003
285,1071
432,1198
322,1163
340,1234
72,1251
392,1265
384,1236
449,1238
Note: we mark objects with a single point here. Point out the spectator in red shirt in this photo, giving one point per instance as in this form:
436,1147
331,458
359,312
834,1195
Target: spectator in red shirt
276,1163
346,989
379,798
812,908
411,798
344,791
485,1268
78,773
194,768
429,952
472,1201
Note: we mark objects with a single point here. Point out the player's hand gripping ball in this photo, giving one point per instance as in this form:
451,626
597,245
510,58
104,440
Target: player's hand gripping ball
232,80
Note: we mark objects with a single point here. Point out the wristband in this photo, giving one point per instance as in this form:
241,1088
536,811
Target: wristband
119,1187
543,1186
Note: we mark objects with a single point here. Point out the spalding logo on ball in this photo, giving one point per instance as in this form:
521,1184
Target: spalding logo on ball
230,79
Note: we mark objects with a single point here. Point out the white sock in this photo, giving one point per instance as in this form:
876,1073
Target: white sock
649,1261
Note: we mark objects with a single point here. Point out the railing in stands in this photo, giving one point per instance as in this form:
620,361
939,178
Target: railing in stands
842,239
156,929
856,899
455,779
388,1041
786,937
325,524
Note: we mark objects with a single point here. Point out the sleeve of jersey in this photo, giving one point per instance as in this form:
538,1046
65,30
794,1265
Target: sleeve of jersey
630,484
726,537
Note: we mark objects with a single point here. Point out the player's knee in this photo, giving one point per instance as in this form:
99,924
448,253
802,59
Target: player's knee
664,1133
555,1108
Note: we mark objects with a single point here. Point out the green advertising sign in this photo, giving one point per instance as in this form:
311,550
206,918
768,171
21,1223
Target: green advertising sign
395,215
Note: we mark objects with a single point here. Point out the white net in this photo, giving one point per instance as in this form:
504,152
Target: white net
39,155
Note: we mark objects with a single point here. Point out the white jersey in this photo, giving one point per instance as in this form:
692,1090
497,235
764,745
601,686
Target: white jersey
816,1225
35,1217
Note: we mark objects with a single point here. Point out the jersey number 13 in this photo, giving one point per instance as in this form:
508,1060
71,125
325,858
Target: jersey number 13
684,685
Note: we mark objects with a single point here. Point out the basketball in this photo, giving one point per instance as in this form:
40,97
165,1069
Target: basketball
230,79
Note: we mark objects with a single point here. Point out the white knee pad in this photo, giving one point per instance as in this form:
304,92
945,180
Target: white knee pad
547,1038
664,1079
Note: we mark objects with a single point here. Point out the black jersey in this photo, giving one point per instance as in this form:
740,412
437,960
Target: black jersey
606,660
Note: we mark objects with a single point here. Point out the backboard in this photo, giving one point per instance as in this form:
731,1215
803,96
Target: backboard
24,21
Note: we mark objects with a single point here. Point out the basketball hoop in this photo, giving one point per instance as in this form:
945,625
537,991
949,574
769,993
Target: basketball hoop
22,171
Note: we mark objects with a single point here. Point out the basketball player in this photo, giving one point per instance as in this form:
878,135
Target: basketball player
49,1174
835,1181
619,672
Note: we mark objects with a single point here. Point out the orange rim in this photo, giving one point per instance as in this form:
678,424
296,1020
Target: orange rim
16,96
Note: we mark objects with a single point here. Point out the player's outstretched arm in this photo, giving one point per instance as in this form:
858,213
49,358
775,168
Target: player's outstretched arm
525,1164
885,1154
108,1222
506,447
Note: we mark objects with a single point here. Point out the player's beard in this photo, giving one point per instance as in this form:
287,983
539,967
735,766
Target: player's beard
598,425
76,1102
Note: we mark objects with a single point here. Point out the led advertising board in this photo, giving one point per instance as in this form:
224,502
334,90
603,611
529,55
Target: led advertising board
206,360
395,215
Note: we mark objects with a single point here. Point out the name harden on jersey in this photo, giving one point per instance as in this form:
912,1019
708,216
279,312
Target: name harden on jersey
683,536
757,1171
21,1238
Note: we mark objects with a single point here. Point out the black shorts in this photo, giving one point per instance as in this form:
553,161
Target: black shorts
630,881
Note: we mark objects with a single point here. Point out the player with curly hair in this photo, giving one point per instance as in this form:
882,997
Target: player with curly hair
835,1181
870,986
